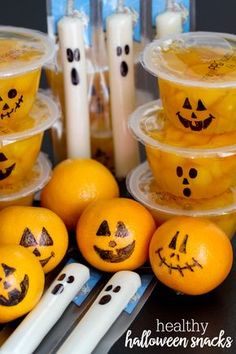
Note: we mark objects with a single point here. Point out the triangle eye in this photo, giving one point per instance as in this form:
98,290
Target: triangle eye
45,238
28,239
103,229
200,106
121,230
187,104
172,243
8,270
182,248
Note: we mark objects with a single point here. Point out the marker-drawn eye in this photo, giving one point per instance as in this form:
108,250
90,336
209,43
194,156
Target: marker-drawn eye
69,54
116,289
172,243
103,229
192,173
121,230
70,279
183,245
187,104
200,106
127,49
12,93
77,54
179,171
118,51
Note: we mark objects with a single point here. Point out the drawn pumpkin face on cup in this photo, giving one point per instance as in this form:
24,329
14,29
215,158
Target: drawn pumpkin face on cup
21,282
17,158
114,234
190,255
192,176
37,229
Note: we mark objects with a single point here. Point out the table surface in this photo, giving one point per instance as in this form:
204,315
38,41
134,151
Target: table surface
217,309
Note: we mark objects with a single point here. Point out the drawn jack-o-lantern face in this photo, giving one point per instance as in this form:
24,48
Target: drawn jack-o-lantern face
114,234
5,170
21,282
113,253
39,247
187,254
195,118
10,104
39,230
12,293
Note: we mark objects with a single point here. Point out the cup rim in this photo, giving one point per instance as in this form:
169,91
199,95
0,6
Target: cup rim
47,43
44,167
133,178
38,128
152,108
155,70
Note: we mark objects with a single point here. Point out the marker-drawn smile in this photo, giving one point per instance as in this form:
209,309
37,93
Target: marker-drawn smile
6,172
121,253
188,266
43,262
197,125
15,296
17,105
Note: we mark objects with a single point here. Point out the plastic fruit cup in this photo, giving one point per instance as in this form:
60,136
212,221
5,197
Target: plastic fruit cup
23,193
23,52
197,80
20,142
183,164
143,187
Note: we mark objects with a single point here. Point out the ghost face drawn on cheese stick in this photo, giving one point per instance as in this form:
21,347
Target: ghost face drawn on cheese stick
41,319
109,304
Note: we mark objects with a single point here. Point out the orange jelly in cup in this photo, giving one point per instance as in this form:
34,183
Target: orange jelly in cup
22,55
185,165
197,80
162,205
20,142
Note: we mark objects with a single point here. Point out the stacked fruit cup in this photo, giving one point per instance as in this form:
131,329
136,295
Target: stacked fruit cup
190,141
24,114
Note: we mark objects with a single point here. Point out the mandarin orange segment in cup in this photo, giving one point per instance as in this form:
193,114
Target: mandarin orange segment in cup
197,80
22,55
182,164
20,142
145,189
23,192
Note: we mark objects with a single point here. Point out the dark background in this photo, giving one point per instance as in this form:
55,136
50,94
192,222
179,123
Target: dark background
218,307
211,15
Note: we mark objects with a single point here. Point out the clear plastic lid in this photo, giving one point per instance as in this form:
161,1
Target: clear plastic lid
32,183
42,116
23,50
150,126
205,59
144,188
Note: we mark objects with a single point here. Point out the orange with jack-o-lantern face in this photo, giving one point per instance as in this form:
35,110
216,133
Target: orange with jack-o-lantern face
21,282
114,234
190,255
39,230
